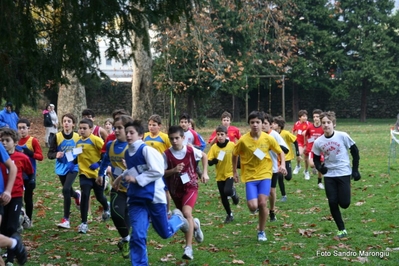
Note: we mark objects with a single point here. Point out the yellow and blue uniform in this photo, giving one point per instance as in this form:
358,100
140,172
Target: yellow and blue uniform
65,145
114,155
91,153
253,168
159,142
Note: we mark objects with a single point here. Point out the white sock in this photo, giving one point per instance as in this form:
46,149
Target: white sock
126,238
14,243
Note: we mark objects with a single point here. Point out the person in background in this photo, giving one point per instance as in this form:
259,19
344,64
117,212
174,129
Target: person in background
50,122
108,125
30,147
97,130
233,133
8,118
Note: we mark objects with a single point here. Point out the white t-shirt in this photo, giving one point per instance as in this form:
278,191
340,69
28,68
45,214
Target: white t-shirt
335,151
273,155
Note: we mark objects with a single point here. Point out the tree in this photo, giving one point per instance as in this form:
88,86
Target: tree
43,40
366,48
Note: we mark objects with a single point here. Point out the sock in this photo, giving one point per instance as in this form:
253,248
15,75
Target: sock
318,180
126,238
14,243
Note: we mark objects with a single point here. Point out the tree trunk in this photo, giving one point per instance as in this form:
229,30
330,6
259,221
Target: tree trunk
142,95
71,98
363,104
295,100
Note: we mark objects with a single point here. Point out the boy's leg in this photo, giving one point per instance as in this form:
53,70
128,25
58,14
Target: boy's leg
85,186
272,198
282,186
263,194
344,191
331,185
118,212
28,199
68,192
139,221
164,227
12,222
223,196
288,177
99,193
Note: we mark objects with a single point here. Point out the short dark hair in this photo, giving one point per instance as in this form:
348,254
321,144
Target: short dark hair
138,126
176,129
302,112
317,111
119,112
184,116
69,115
256,114
86,121
221,128
88,112
225,114
268,117
124,118
280,121
330,115
156,118
24,121
8,132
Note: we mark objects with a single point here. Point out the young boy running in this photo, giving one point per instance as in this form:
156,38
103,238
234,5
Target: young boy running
266,127
88,160
181,180
312,133
61,149
31,147
233,133
336,168
290,139
146,196
256,167
114,156
97,130
220,154
10,217
299,130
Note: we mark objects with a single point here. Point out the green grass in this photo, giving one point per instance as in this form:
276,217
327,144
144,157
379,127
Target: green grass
304,229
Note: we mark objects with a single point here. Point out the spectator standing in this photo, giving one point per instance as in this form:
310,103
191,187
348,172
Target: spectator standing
8,118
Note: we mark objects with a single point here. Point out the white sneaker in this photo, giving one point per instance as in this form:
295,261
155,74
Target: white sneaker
320,185
307,175
184,228
83,228
296,170
262,236
64,224
198,235
188,253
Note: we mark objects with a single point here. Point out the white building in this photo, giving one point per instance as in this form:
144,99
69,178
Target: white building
113,69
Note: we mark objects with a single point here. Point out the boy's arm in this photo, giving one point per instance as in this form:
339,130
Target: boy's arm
12,174
282,168
355,162
204,177
103,133
52,151
37,150
235,173
155,165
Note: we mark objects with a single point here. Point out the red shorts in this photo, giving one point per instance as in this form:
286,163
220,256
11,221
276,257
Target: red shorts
189,198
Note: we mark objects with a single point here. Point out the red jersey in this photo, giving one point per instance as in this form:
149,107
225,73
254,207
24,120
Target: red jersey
312,133
23,165
299,129
174,182
233,134
110,137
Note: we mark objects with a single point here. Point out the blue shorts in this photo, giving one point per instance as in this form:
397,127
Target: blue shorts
255,188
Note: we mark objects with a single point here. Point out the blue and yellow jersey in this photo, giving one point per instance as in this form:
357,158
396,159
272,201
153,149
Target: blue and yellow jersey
65,145
114,155
91,153
160,142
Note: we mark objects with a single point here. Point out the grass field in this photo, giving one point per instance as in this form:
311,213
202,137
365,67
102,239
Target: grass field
302,235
